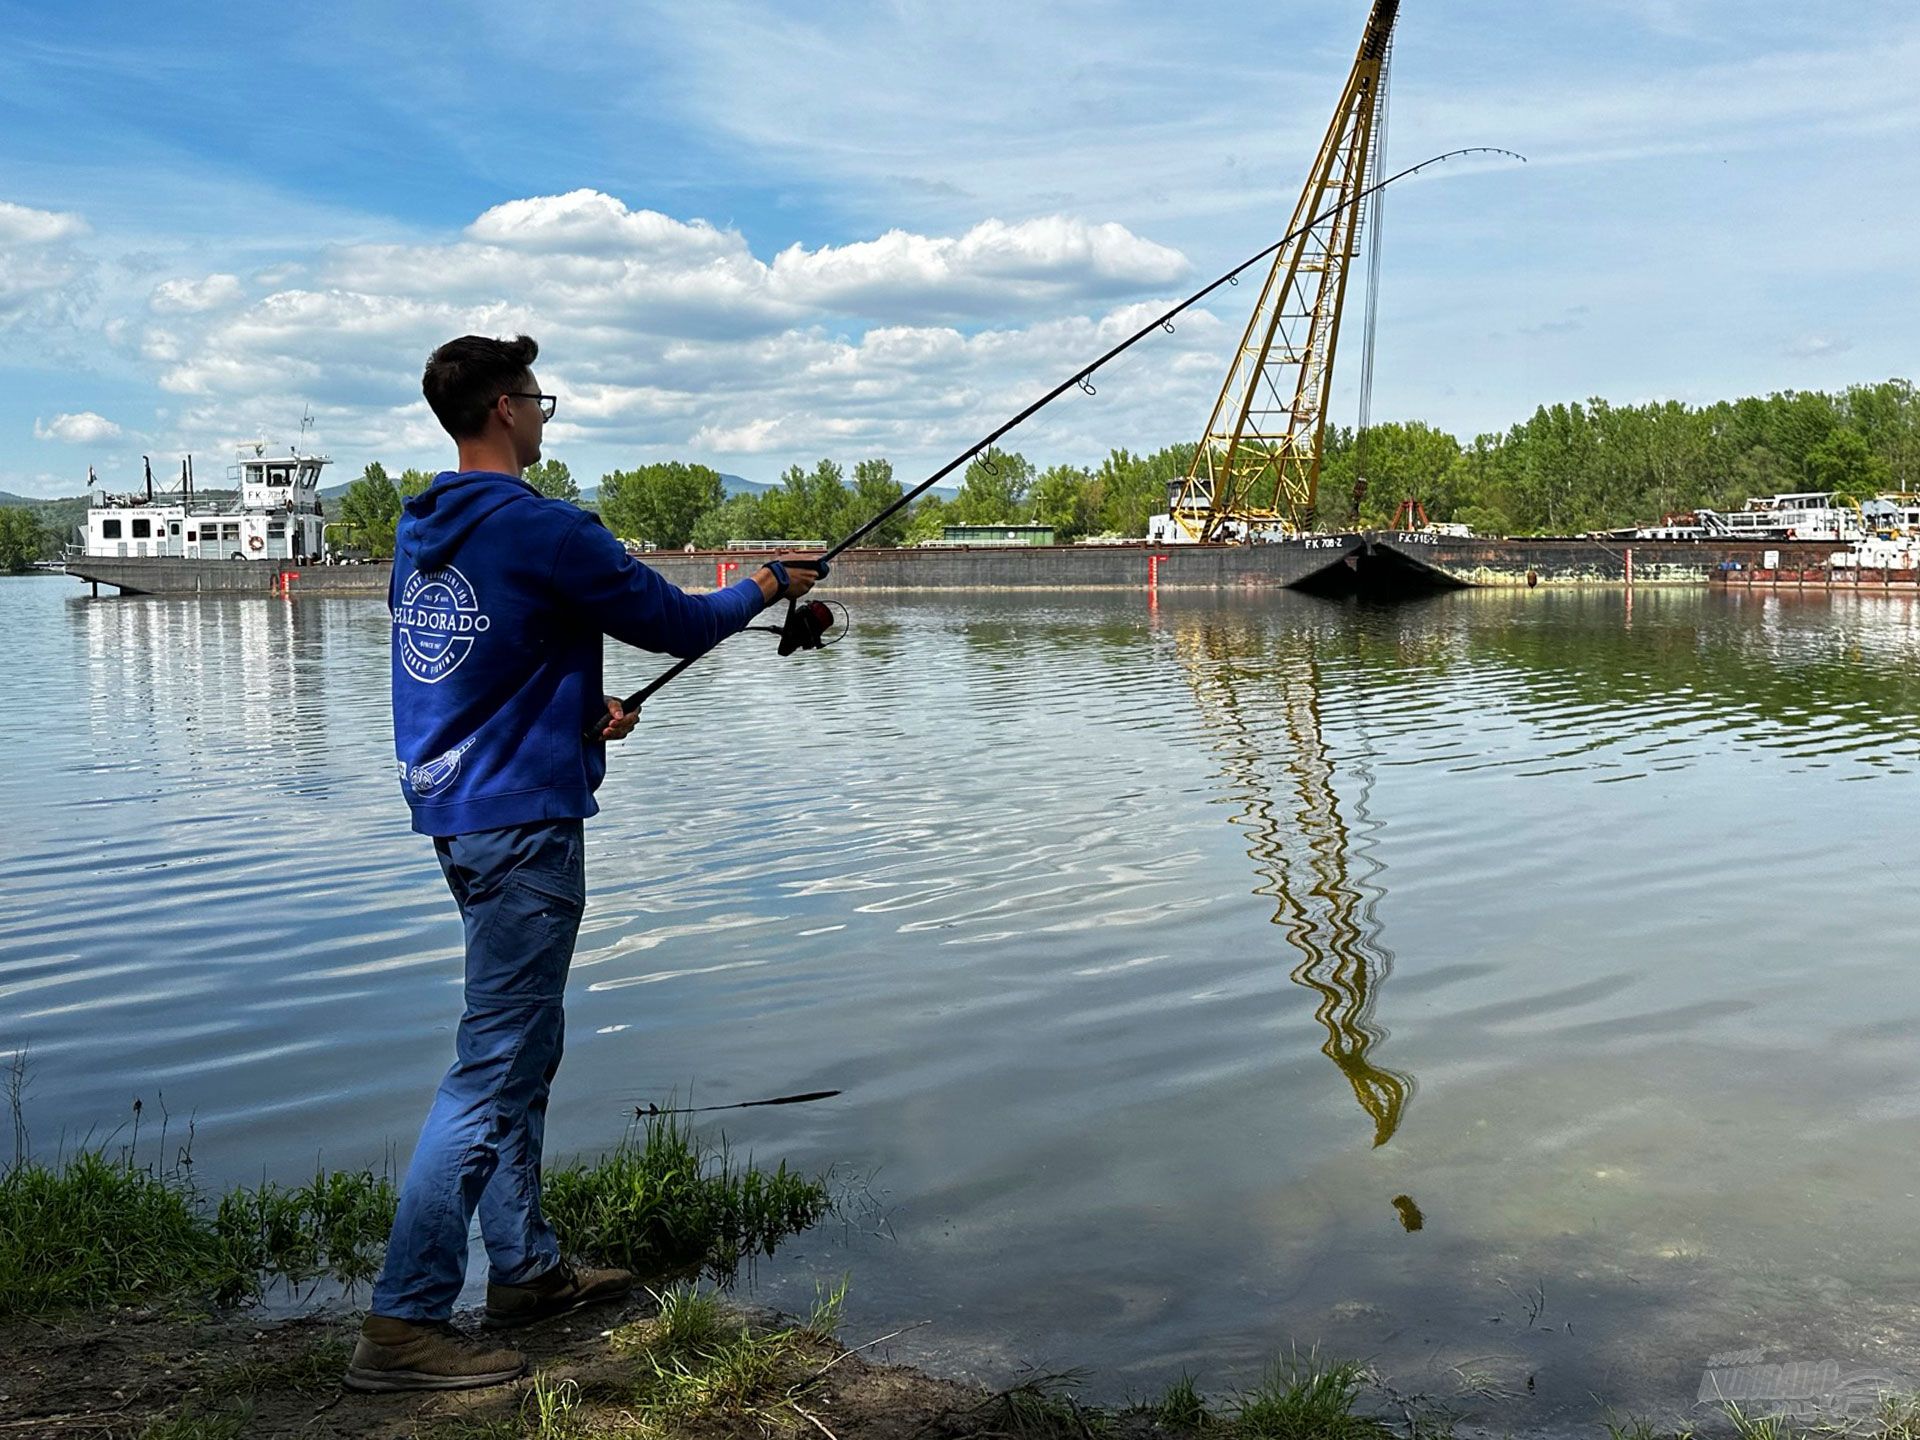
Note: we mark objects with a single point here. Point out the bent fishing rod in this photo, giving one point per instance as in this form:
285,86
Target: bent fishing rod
806,626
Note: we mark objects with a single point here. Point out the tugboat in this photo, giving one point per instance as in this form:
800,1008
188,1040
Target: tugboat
274,514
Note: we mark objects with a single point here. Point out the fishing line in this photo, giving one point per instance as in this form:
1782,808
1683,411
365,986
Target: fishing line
805,626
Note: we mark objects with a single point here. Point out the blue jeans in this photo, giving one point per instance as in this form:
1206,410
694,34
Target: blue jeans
520,891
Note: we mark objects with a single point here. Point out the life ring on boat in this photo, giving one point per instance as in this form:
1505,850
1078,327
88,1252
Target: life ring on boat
254,542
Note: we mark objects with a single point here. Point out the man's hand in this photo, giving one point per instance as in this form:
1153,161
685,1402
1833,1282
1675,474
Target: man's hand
618,724
803,572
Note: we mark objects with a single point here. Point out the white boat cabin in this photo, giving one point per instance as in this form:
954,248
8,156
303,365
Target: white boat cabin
272,513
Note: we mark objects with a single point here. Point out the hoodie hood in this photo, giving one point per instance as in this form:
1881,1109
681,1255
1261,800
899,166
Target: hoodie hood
440,517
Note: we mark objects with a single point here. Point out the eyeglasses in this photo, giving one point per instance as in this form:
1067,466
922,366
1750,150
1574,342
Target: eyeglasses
548,403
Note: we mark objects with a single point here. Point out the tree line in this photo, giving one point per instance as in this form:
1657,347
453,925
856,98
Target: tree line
1599,466
1568,468
671,504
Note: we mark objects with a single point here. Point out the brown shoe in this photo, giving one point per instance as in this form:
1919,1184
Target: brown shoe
402,1355
562,1289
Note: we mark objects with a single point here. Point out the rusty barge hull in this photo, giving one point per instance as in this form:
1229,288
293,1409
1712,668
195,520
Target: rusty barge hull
1365,562
998,568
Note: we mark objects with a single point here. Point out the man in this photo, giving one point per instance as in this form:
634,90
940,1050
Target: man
500,599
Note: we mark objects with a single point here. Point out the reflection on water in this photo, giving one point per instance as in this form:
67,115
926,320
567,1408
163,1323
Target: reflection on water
1304,847
1630,889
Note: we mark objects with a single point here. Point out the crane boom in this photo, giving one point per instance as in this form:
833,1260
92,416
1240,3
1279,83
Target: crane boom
1258,465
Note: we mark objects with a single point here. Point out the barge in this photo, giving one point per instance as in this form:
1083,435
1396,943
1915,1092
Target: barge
1373,563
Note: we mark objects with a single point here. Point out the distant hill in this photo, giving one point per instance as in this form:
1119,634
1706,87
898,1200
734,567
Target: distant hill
59,517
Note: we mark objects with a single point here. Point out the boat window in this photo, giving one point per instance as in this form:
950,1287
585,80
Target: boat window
277,475
142,529
277,530
109,529
191,536
230,532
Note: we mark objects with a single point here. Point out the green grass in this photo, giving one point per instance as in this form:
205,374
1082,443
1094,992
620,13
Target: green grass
552,1409
335,1226
1042,1407
694,1360
1180,1407
662,1202
98,1229
1305,1398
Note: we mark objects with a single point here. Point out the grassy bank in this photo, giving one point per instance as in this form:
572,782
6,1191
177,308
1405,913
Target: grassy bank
122,1316
103,1228
682,1363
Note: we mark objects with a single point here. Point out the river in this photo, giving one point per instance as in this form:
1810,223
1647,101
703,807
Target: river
1513,991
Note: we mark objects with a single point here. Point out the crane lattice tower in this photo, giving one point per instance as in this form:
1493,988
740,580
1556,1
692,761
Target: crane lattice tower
1259,463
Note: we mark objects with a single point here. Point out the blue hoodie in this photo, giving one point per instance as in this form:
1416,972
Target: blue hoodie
499,599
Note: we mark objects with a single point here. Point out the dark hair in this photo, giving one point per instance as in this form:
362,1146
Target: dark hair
465,376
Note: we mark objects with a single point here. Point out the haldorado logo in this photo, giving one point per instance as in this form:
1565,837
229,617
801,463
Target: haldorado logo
435,623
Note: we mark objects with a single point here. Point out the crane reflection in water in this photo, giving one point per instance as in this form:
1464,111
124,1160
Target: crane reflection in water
1262,708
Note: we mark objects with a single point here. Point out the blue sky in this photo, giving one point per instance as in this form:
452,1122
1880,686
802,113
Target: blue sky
755,234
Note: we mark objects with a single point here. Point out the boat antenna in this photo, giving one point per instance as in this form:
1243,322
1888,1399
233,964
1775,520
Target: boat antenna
798,628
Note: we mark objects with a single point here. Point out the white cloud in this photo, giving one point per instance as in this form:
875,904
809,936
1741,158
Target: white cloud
982,270
81,428
587,222
43,275
21,225
669,334
192,297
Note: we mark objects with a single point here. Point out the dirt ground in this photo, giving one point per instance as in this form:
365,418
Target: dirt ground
116,1376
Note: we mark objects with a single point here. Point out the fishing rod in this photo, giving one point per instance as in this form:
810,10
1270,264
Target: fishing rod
806,626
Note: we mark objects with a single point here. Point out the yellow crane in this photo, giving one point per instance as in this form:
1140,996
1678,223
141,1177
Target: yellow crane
1258,466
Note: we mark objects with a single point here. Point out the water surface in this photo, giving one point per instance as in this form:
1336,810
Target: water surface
1174,960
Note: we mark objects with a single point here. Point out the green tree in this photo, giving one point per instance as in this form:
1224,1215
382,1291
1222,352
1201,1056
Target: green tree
1067,498
553,480
809,504
739,517
1400,460
372,506
1133,488
925,519
661,502
1888,415
413,482
21,539
874,488
1843,462
994,490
